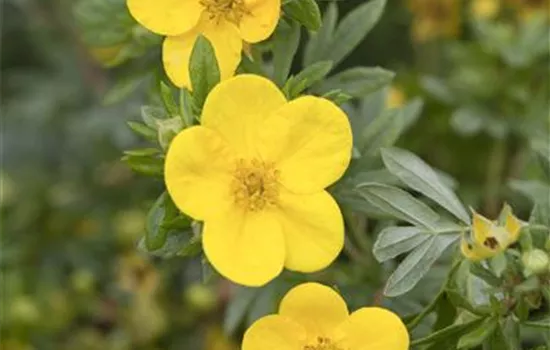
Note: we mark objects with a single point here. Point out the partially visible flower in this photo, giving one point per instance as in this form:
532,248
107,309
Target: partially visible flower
215,339
314,317
255,171
395,98
490,238
485,8
535,261
225,23
435,19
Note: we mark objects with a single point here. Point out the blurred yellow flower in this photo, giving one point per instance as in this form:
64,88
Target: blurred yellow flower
526,9
314,317
225,23
136,275
396,97
255,172
489,238
435,19
485,8
215,339
107,56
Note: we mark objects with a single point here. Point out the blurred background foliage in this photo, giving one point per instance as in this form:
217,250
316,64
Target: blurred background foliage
74,72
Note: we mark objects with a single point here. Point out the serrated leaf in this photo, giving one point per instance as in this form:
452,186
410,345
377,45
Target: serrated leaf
285,45
417,264
319,41
358,81
353,29
203,70
305,12
399,204
306,78
393,241
419,176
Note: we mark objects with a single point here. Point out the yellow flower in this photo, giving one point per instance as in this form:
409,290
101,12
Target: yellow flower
255,171
314,317
396,97
489,238
485,8
225,23
435,19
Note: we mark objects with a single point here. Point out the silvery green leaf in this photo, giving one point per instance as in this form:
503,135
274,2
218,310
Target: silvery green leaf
393,241
358,81
306,78
318,41
419,176
478,335
353,29
285,44
417,264
400,204
305,12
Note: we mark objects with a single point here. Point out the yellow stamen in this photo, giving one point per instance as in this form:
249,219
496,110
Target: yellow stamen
231,10
323,343
255,184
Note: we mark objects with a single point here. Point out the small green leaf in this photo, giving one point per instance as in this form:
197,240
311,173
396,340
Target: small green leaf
337,96
393,241
353,29
306,78
358,81
285,44
143,130
488,276
145,165
417,264
320,40
383,131
399,204
142,152
419,176
168,99
478,335
176,242
542,323
498,264
448,332
186,107
203,70
152,114
155,236
305,12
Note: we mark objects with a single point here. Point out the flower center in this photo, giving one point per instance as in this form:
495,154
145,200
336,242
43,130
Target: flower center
491,242
255,184
323,344
231,10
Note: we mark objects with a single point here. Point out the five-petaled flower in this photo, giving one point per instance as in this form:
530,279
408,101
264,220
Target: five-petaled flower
225,23
490,238
314,317
255,171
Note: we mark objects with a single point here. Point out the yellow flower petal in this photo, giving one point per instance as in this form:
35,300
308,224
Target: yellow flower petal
246,247
224,37
316,307
473,251
237,107
274,332
310,140
481,228
373,329
513,226
313,229
197,172
260,21
166,17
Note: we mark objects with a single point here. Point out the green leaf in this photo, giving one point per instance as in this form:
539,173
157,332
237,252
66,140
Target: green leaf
353,29
143,130
448,332
306,78
358,81
383,131
478,335
438,89
486,275
541,148
393,241
142,152
542,323
417,264
152,114
155,235
177,243
337,96
319,41
498,264
186,107
411,112
285,45
419,176
168,99
203,70
124,87
399,204
238,307
305,12
145,165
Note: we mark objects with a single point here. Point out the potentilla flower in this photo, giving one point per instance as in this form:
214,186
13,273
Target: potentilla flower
314,317
490,238
225,23
255,171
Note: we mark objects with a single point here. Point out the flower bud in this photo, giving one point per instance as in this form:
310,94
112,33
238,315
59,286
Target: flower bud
535,262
